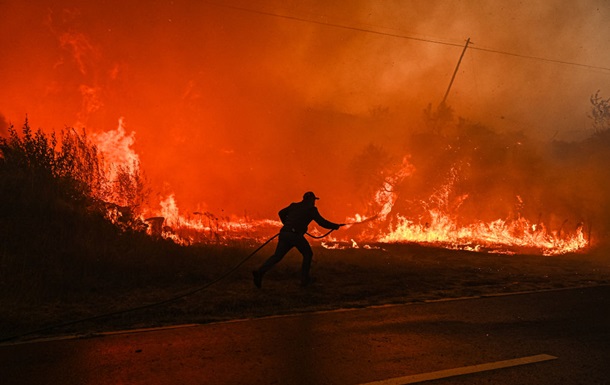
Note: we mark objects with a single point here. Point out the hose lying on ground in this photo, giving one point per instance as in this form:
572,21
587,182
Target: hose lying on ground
154,304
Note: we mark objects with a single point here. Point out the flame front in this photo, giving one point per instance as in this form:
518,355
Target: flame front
387,224
442,230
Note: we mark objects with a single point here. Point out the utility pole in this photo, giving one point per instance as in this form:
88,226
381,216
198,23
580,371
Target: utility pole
455,72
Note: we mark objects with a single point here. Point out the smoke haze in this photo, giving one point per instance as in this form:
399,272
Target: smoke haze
238,111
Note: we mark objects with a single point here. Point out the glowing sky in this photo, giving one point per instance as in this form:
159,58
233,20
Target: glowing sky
238,110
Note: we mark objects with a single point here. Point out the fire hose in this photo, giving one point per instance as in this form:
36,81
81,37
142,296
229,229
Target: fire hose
154,304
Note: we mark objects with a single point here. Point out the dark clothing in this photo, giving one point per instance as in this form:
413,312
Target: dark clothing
288,240
296,218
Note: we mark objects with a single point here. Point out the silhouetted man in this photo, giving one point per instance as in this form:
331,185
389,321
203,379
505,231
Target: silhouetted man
295,218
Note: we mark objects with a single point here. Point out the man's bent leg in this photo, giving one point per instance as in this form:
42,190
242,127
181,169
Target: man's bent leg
305,249
283,247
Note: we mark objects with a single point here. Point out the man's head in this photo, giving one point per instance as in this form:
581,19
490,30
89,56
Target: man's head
310,197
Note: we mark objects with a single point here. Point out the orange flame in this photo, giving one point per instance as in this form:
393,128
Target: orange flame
442,228
386,226
116,145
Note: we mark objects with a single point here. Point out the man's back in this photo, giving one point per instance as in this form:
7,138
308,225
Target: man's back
298,216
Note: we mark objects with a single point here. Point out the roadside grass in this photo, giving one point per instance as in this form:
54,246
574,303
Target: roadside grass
32,297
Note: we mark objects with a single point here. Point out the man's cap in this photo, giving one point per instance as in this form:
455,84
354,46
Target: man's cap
309,195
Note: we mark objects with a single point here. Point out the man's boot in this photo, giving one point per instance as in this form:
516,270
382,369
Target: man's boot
258,278
306,281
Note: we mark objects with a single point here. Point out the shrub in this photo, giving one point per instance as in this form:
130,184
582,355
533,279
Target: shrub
55,196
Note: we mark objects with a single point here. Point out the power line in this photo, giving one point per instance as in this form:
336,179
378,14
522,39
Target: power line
407,37
541,58
328,24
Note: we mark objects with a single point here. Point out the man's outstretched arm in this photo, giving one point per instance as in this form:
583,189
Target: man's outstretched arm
325,222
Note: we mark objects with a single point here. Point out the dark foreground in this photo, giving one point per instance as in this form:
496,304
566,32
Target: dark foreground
346,347
351,278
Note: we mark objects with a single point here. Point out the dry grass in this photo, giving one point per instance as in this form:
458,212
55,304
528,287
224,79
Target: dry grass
344,279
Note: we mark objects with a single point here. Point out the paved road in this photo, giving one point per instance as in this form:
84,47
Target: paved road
345,347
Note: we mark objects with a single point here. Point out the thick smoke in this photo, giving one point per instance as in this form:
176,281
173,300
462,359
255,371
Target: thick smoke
240,112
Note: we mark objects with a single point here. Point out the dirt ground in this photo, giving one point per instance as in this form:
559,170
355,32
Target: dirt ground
348,278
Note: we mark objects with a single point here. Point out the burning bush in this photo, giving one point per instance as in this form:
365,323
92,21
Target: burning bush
55,188
68,171
469,185
36,175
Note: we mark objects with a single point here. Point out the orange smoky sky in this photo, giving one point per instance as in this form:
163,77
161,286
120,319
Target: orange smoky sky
241,106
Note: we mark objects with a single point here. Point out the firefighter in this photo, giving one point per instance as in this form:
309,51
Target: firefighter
295,218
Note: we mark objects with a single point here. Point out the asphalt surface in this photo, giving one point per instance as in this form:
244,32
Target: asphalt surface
345,347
